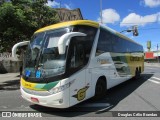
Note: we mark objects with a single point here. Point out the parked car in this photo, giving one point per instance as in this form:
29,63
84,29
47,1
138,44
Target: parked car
120,65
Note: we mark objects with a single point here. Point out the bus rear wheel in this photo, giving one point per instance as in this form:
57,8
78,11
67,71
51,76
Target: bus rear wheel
137,73
100,90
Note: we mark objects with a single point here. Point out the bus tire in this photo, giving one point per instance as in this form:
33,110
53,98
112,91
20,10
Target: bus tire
100,89
140,70
137,73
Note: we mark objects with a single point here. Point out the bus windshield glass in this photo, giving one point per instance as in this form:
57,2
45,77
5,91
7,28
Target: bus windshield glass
42,55
42,59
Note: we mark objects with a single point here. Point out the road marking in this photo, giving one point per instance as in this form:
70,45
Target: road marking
154,81
94,105
104,109
4,106
156,78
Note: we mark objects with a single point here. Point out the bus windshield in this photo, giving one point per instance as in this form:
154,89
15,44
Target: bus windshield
42,55
42,59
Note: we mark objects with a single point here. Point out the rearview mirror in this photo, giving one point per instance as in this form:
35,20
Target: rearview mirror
14,48
66,39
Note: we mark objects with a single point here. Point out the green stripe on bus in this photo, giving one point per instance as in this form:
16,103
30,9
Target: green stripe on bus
50,85
40,86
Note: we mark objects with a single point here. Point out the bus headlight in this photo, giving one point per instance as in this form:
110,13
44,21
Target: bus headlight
60,88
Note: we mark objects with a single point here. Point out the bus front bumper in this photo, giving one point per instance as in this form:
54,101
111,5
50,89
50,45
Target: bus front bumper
58,100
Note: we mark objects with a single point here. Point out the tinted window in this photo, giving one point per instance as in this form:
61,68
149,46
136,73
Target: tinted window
119,44
80,48
109,42
77,55
104,42
87,40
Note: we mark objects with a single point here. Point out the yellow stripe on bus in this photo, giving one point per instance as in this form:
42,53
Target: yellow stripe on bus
70,23
29,85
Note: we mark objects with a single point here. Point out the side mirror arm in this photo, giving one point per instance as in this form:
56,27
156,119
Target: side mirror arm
14,48
66,39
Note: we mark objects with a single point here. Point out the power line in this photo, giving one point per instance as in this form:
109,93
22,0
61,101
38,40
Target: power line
101,11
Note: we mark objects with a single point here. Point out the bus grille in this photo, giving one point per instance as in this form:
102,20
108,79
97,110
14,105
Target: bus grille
39,93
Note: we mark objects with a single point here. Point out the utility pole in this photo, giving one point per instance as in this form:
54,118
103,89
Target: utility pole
157,54
60,4
101,11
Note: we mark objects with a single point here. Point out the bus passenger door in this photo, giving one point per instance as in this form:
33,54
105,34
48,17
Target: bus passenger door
76,58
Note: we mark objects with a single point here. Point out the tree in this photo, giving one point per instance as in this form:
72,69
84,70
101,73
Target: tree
20,18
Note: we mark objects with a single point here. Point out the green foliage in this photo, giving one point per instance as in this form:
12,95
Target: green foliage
19,19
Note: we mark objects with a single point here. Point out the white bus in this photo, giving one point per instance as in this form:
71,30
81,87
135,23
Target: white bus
69,62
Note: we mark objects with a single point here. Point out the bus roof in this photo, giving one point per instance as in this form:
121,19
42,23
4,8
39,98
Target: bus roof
69,23
84,22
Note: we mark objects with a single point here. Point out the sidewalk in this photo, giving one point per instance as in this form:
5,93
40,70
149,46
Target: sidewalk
9,77
152,64
9,81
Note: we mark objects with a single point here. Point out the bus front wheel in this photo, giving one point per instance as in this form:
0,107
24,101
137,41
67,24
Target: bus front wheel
100,89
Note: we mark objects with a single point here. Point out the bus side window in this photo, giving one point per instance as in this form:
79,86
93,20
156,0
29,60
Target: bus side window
104,42
77,56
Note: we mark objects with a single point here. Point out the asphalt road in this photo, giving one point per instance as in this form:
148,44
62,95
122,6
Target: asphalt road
133,95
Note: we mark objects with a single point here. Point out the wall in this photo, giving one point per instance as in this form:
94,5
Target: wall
8,64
